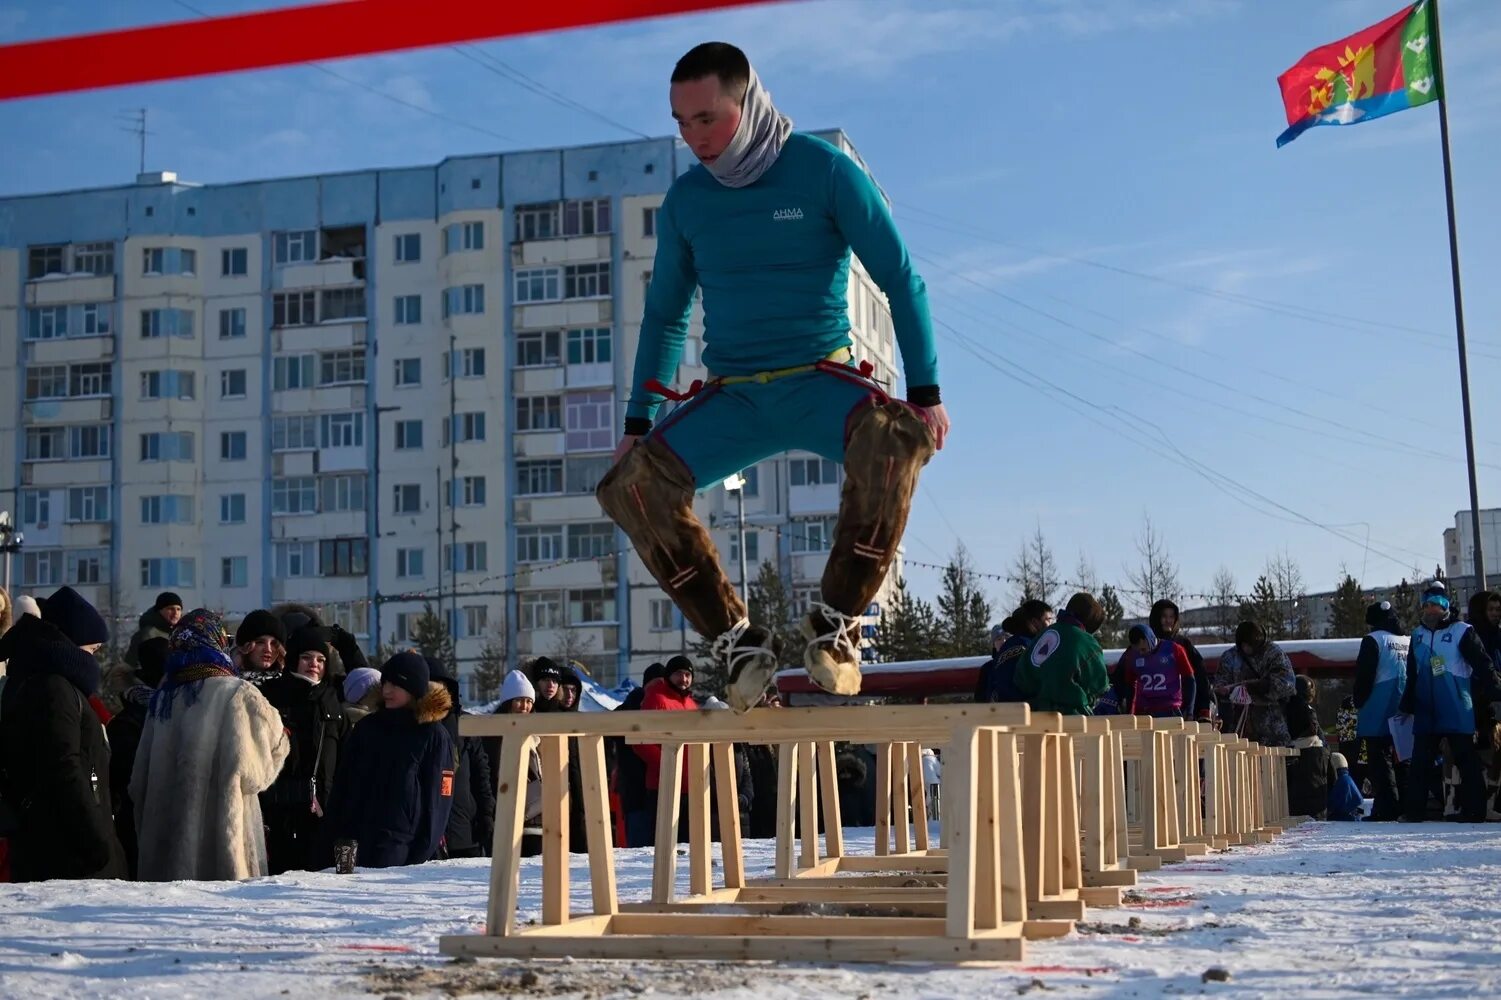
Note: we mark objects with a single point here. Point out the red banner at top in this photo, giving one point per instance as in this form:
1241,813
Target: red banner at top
291,35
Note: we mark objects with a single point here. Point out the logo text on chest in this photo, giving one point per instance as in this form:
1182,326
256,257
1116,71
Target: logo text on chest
787,215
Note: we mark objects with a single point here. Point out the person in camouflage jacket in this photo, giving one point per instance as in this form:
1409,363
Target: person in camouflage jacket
1263,670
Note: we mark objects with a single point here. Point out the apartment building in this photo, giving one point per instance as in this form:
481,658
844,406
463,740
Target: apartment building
371,392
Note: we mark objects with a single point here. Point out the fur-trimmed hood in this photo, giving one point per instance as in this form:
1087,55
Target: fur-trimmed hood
431,707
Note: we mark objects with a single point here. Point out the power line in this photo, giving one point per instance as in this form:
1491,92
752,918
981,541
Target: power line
510,73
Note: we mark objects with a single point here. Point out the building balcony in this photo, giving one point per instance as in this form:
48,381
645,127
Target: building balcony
329,336
327,273
562,250
65,349
573,312
556,509
539,444
65,289
74,410
822,499
537,381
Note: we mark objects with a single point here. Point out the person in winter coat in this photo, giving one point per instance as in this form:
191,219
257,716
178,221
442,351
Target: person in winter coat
572,692
361,694
1380,681
7,617
395,778
1155,677
547,680
1264,676
260,648
1447,669
124,732
1302,710
745,784
1064,670
471,816
54,760
519,697
211,745
1026,624
1311,773
1345,800
630,773
346,655
1164,620
671,693
983,680
296,804
156,622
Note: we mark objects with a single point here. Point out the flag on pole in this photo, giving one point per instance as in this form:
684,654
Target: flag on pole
1384,68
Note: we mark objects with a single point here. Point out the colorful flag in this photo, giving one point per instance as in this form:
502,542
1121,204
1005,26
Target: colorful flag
1385,68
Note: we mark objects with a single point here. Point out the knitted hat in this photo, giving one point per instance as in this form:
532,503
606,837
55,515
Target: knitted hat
545,669
652,673
1338,760
308,639
408,671
360,681
516,685
677,663
258,623
74,617
1381,615
166,599
151,660
998,631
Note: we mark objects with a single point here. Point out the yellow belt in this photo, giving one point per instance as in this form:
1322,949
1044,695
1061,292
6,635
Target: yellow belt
841,356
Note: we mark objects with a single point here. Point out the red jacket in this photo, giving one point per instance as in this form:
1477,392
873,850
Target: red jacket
660,697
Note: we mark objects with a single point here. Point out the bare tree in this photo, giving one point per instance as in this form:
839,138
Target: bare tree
1035,572
1085,576
572,645
1292,596
1156,576
1225,602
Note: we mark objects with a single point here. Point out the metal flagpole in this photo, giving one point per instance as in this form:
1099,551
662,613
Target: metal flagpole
1459,311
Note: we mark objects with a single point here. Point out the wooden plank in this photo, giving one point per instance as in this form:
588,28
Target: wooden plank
599,836
883,798
510,817
665,853
807,804
1042,930
788,925
786,804
700,841
1006,947
1090,750
893,863
553,751
960,766
901,804
987,835
1033,830
917,790
828,792
1013,869
848,894
1068,818
731,847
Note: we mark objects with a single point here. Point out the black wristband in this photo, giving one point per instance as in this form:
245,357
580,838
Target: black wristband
923,395
637,426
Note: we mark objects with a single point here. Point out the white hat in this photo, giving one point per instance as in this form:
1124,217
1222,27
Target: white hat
715,703
516,685
1338,760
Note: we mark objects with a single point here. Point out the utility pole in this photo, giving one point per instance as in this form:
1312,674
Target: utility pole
137,128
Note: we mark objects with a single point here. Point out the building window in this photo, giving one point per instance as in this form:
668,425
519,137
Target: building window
232,508
169,260
591,424
408,563
752,477
586,281
541,609
342,493
341,367
234,571
294,309
467,427
87,566
234,262
584,474
813,535
342,304
591,607
298,433
466,557
408,434
649,223
408,310
353,617
539,413
47,323
232,383
408,248
464,236
95,319
591,541
536,222
343,430
589,217
231,324
166,323
408,372
292,371
538,284
90,441
97,259
46,444
661,615
36,508
88,504
232,446
168,573
538,348
752,547
170,384
167,446
539,543
408,498
294,495
539,477
812,472
167,508
90,379
294,559
471,363
589,346
46,382
342,556
472,491
44,260
299,247
42,568
463,300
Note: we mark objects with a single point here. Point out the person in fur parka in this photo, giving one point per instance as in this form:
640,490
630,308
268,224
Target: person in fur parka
211,745
394,785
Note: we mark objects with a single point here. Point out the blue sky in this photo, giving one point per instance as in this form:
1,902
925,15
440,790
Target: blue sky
1233,339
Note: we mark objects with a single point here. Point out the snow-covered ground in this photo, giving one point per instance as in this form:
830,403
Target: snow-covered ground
1328,910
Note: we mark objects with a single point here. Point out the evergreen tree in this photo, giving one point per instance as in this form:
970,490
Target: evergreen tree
1405,604
431,637
771,606
908,630
490,670
964,612
1112,634
1347,612
1265,609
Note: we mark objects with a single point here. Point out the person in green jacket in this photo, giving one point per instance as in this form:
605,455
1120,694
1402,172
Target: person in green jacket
1064,671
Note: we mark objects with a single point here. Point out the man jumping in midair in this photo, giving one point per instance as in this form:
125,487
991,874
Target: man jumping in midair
765,226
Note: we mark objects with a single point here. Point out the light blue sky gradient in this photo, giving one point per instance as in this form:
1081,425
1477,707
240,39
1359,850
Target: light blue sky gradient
1225,336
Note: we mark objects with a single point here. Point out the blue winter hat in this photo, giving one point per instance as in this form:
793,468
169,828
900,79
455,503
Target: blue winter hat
74,617
1437,599
1140,632
408,671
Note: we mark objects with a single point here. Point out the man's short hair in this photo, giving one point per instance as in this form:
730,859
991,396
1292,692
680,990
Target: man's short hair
1032,610
717,59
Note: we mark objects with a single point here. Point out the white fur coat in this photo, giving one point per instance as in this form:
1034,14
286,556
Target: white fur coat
196,780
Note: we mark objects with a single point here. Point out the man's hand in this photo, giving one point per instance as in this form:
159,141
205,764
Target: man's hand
938,419
626,444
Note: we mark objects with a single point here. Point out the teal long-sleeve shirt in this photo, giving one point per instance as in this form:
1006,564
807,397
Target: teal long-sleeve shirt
773,262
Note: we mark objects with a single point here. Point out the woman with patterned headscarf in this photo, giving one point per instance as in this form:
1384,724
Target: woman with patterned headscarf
211,745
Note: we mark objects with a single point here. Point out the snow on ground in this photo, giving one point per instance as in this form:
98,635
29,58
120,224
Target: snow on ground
1329,909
